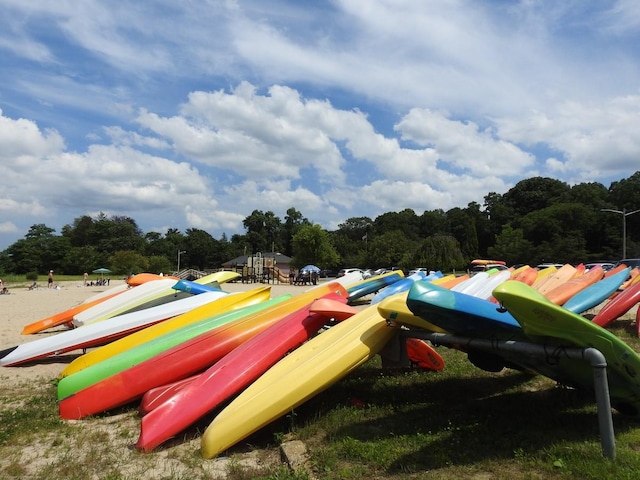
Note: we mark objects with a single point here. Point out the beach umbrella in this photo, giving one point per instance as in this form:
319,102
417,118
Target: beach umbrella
101,271
310,268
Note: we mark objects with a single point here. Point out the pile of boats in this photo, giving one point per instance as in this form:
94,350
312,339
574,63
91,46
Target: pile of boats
184,350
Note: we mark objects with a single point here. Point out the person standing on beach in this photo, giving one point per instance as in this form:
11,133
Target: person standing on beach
50,279
85,278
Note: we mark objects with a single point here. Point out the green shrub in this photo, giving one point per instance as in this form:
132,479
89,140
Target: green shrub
32,276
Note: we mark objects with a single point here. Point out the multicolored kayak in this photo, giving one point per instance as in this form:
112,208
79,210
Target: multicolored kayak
373,284
459,313
232,373
308,370
233,301
547,323
468,316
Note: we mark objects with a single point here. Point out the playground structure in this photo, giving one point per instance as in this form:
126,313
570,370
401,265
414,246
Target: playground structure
259,269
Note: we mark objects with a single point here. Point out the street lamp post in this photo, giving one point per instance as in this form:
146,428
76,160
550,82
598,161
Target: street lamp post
180,252
624,214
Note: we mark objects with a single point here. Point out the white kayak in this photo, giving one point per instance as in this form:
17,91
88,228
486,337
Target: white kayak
123,301
100,333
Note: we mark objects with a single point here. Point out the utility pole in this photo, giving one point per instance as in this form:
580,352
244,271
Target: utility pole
180,252
624,214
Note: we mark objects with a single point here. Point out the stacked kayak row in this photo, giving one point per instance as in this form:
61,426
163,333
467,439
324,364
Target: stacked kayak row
183,350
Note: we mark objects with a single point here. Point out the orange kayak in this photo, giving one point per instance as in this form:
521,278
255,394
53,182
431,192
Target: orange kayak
563,292
141,278
63,317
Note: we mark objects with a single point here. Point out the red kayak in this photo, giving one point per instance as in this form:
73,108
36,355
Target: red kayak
423,354
180,361
231,374
327,307
618,306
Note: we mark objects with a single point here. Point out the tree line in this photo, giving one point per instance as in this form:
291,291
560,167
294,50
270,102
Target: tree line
539,220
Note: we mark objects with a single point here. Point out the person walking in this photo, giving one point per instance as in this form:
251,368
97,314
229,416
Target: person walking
50,279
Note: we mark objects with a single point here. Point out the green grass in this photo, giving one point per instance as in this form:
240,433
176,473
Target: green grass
461,422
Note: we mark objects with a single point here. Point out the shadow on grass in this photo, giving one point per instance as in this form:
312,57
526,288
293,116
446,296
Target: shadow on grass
459,420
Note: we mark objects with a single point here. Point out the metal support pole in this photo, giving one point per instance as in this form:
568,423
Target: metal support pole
591,355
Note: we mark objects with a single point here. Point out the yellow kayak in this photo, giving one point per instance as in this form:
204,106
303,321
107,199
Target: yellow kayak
311,368
229,302
395,310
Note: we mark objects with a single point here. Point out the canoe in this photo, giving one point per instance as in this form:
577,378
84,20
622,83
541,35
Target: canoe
597,293
547,323
616,269
475,318
154,397
193,288
188,349
227,303
459,313
518,271
101,333
564,291
229,375
311,368
145,277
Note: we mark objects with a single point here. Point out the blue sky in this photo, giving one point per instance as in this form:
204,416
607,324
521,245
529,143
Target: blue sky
194,114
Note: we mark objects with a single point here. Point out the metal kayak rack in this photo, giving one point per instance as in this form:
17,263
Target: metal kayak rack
590,355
